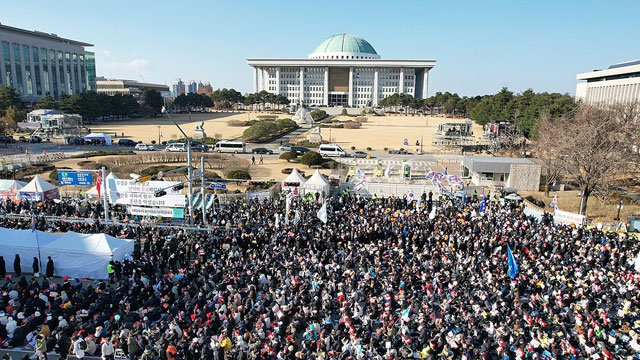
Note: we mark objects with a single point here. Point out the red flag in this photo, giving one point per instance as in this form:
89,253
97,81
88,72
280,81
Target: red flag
99,182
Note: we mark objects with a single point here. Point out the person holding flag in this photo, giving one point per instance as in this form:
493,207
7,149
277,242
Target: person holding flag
513,266
322,213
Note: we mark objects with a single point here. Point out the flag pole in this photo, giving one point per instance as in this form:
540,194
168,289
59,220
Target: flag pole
34,230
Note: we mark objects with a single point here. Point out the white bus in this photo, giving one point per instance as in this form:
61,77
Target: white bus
236,147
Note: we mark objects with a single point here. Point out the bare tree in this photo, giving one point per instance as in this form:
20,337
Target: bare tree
546,150
594,145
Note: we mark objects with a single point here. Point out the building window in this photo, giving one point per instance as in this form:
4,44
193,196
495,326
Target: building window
45,71
7,63
27,69
68,77
36,69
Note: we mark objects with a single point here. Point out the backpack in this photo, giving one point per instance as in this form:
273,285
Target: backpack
83,344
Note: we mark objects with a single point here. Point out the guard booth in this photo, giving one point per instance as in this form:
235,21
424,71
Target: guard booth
406,171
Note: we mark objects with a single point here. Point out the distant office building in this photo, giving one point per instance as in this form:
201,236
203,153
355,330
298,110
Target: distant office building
617,84
192,87
343,70
205,89
37,63
127,87
200,85
178,88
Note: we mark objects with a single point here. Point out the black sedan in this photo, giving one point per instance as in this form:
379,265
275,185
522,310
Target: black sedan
262,151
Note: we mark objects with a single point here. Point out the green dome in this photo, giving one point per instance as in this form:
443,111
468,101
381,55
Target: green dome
346,43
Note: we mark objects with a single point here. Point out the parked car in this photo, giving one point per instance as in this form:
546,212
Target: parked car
176,147
299,150
7,139
126,142
262,151
285,148
144,147
22,139
199,148
399,152
75,140
360,155
34,139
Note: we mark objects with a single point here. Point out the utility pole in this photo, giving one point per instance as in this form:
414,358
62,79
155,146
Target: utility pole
204,195
105,194
190,176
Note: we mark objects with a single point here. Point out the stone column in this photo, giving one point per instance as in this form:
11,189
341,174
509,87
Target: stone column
301,93
375,88
425,83
277,80
255,79
401,82
350,98
326,86
265,80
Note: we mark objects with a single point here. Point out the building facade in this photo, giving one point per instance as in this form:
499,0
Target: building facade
617,84
344,70
37,64
178,88
127,87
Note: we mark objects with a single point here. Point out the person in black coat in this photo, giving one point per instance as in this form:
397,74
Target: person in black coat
3,267
16,265
50,267
35,265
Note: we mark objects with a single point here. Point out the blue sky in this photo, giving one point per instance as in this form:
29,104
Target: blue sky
480,46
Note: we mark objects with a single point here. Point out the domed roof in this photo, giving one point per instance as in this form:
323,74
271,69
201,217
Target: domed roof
345,43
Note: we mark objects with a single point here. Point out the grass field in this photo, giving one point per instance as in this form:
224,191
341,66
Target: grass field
146,129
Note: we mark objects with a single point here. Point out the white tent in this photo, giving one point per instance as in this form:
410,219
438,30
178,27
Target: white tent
9,188
11,184
38,190
316,184
294,178
86,255
102,136
25,244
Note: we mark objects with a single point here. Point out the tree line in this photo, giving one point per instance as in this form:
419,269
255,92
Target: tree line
524,109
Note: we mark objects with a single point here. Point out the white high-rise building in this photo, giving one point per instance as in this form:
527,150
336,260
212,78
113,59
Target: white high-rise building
343,70
37,64
617,84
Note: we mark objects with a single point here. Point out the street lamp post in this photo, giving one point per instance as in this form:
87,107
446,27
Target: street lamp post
189,168
159,135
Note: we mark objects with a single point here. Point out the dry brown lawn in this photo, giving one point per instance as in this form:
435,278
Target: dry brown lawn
597,209
390,131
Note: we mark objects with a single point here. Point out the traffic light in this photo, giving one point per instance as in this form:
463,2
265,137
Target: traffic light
160,193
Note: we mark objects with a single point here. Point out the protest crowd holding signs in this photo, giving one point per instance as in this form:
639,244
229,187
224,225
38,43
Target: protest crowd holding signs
345,278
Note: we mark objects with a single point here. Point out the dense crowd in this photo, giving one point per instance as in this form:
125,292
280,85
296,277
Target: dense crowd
382,279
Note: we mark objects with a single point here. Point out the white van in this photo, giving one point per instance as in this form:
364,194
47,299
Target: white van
176,147
332,150
236,147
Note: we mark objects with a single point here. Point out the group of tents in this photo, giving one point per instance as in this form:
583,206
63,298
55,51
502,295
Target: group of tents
297,183
37,189
73,254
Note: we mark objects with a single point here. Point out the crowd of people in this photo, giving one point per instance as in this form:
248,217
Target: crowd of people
383,278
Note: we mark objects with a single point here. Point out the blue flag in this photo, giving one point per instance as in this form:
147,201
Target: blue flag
483,205
513,267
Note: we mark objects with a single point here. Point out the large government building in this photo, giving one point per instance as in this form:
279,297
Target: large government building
616,84
37,64
344,70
